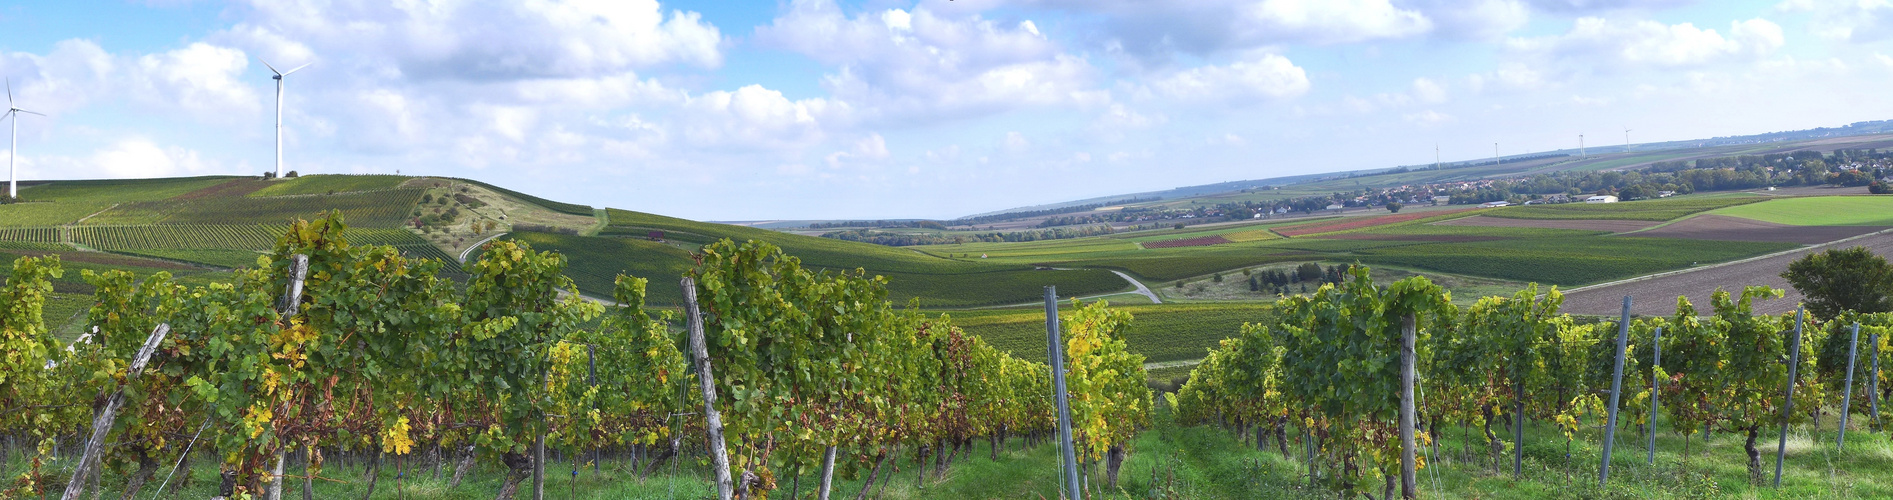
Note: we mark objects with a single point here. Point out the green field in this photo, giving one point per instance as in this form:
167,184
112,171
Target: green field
66,202
1567,261
1168,332
1650,210
1819,211
327,184
388,208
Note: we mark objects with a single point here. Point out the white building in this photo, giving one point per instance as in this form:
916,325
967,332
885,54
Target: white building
1494,204
1601,199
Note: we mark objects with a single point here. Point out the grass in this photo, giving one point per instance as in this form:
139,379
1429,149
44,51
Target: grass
1650,210
564,208
1819,211
326,184
594,263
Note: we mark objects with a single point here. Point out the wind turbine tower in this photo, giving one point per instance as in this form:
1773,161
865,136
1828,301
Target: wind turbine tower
13,149
1626,140
1581,153
279,110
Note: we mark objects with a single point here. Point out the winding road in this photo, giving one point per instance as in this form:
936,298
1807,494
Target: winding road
1141,289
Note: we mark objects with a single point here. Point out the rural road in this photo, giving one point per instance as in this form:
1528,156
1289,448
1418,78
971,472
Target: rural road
1655,295
463,253
1141,289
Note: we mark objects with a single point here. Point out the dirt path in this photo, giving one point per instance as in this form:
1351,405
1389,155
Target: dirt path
476,244
1655,295
1141,289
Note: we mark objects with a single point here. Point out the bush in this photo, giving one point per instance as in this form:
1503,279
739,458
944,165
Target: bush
1877,187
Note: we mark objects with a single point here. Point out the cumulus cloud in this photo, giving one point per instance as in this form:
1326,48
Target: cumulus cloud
900,65
1609,44
1602,5
75,72
754,117
1429,91
1268,76
484,40
201,78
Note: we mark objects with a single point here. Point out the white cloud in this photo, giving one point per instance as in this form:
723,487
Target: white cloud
201,79
1015,142
905,67
70,76
870,148
1427,90
753,117
1568,6
1858,21
482,40
1605,44
1428,118
1332,21
139,157
1270,76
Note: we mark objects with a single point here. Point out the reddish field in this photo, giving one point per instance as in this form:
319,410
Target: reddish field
1188,242
1657,296
1614,226
1350,223
1726,228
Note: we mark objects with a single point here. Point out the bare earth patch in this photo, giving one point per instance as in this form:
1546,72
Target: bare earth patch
1726,228
1657,296
1614,226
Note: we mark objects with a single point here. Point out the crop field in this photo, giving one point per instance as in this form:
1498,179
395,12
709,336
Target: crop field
1251,235
1356,223
1722,227
65,202
325,184
1164,268
1649,210
234,187
1566,261
232,236
1819,211
1604,225
1657,296
1168,332
389,208
1477,231
594,262
1200,241
30,234
221,257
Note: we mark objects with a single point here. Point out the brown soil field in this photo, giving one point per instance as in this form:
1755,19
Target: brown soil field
1449,238
1723,227
1188,242
1614,226
1657,296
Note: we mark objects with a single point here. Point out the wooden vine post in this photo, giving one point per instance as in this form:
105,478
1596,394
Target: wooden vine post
102,424
290,305
1409,481
1655,382
713,421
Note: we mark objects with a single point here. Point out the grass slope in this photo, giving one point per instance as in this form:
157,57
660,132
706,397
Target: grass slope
1819,211
65,202
1168,332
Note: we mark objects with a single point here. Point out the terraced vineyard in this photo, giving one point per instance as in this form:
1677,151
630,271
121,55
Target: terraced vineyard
30,234
232,236
326,184
389,208
66,202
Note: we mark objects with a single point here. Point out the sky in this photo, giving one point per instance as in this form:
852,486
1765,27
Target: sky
819,109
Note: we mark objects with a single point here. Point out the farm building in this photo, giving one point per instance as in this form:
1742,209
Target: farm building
1601,199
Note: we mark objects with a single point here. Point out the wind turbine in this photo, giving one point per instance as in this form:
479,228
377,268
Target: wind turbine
279,110
1626,140
1581,153
13,150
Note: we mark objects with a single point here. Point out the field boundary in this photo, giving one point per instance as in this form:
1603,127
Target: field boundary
1806,248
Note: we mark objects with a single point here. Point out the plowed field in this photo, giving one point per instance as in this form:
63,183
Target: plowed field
1722,227
1615,226
1657,296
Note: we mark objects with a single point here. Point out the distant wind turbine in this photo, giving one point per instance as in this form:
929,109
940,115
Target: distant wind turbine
13,150
279,110
1581,153
1626,140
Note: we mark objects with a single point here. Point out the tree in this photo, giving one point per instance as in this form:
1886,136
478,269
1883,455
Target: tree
1877,187
1852,279
1394,206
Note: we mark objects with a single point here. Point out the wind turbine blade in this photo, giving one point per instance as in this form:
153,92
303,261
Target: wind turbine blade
272,69
9,92
304,65
33,112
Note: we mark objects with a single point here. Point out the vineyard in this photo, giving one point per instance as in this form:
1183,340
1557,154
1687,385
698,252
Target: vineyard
388,208
1650,210
329,354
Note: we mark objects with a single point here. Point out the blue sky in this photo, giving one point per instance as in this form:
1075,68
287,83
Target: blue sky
884,109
